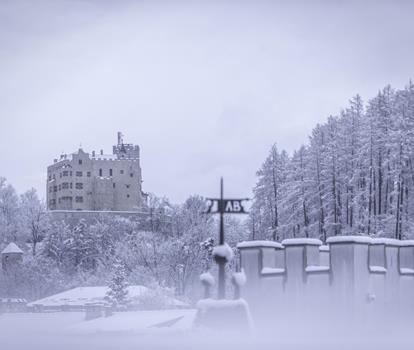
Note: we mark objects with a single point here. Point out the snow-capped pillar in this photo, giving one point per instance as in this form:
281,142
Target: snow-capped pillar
263,264
392,277
406,281
207,280
324,255
377,276
349,272
239,280
300,254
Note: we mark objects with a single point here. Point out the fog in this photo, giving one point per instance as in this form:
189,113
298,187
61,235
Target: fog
205,88
50,332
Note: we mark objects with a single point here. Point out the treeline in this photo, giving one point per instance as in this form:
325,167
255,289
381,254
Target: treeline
170,255
354,176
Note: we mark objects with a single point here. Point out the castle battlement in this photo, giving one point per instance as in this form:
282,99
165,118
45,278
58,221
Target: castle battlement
352,274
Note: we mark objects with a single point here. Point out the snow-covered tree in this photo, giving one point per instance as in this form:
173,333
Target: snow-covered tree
9,211
117,289
355,176
33,218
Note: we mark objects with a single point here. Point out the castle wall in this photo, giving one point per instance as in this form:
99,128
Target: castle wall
353,275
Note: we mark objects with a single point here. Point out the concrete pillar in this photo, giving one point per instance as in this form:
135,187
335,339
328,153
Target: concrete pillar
263,265
406,280
392,276
301,256
377,266
349,273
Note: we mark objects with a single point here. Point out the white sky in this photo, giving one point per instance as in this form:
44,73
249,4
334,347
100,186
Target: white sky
204,88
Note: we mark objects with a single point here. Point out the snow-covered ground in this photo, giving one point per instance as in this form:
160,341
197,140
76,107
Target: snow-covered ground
172,329
138,322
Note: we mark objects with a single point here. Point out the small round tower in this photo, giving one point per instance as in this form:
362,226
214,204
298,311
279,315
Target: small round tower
11,256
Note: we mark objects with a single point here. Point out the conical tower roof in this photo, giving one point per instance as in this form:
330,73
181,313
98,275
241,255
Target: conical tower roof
12,248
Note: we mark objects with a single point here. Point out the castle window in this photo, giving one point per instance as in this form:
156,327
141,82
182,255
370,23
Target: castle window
50,177
80,161
71,185
65,185
70,173
132,175
121,172
60,187
127,195
100,172
110,172
127,186
113,185
54,188
79,186
79,199
79,173
88,174
66,173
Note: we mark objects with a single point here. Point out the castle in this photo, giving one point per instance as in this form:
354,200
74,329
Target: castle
97,182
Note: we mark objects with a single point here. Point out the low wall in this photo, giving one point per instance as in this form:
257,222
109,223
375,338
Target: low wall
352,274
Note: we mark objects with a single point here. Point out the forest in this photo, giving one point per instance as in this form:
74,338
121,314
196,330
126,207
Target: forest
354,176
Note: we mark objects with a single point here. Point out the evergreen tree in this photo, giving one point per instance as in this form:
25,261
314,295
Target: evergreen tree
118,292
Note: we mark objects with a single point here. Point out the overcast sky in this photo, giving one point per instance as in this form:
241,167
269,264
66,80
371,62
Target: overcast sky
204,88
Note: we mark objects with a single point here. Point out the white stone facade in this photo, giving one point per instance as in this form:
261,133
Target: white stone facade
97,181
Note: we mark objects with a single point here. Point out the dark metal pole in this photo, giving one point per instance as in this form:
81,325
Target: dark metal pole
221,212
222,261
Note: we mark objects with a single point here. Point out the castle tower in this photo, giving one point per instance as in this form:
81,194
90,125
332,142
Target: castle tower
97,182
11,256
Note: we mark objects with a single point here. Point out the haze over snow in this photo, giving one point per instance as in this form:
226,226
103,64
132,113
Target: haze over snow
204,87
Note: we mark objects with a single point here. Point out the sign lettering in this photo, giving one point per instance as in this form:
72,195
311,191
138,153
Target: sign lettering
228,206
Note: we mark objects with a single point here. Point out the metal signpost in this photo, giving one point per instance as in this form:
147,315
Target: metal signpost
224,206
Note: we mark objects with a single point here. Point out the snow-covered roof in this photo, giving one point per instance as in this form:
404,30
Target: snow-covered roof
258,244
12,248
301,241
81,296
349,239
